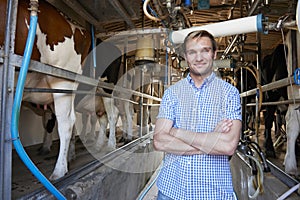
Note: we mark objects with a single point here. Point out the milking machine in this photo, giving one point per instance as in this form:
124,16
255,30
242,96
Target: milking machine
257,162
17,104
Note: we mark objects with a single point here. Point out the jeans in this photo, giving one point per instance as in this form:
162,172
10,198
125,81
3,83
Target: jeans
161,196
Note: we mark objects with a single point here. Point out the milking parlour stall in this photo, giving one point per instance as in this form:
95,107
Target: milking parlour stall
82,82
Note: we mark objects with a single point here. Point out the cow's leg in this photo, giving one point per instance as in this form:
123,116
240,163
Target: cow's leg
269,119
126,114
146,115
292,131
84,119
93,119
47,143
129,118
48,119
112,115
102,132
71,152
90,138
65,114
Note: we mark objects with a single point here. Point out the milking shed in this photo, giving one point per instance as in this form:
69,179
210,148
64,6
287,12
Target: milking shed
86,78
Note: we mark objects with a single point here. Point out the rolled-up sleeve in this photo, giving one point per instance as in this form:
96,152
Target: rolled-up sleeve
233,105
167,106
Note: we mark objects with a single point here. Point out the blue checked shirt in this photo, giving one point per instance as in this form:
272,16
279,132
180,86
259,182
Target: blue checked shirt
198,177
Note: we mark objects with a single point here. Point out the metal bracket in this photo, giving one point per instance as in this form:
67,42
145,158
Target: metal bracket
297,76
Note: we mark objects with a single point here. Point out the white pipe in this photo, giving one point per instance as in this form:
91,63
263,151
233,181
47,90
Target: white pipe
230,27
146,12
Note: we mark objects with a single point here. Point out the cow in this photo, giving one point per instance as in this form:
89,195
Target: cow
274,68
108,64
139,78
292,116
246,80
97,105
59,43
292,130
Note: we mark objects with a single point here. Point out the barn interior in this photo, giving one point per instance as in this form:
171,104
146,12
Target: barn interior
127,24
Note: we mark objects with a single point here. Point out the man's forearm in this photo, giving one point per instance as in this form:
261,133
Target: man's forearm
171,144
216,143
199,140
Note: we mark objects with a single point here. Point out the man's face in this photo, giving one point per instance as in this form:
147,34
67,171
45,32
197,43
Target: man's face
199,56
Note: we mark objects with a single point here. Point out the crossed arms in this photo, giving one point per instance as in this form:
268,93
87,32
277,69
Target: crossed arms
222,141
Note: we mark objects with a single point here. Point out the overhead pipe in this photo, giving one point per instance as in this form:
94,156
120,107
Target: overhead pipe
17,104
230,27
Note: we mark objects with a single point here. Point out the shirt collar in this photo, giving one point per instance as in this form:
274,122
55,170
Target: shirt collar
206,81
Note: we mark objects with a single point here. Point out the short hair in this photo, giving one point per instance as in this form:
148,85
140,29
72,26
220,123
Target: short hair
199,34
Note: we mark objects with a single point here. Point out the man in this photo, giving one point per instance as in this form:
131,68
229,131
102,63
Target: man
198,126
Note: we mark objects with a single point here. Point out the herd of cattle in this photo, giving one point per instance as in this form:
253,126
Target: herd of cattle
68,49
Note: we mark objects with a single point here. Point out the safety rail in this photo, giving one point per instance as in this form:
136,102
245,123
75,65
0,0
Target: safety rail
270,86
36,66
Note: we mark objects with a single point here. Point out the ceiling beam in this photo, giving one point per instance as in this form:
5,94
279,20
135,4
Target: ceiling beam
122,12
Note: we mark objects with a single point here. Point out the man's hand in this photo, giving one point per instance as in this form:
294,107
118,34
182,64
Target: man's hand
223,126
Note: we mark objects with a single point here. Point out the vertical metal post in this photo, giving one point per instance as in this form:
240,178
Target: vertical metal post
257,111
94,54
142,76
243,101
7,85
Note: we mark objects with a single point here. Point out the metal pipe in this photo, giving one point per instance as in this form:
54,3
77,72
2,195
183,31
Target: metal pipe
258,97
253,7
61,73
142,76
274,85
289,192
291,101
6,101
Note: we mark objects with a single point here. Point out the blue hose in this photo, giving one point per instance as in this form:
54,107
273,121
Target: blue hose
93,46
16,112
187,3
